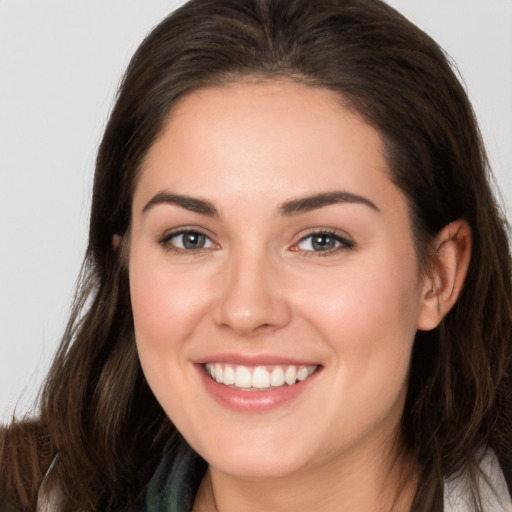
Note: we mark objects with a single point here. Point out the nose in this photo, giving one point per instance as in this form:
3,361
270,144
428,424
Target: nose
252,299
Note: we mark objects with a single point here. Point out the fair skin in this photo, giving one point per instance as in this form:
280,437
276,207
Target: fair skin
245,276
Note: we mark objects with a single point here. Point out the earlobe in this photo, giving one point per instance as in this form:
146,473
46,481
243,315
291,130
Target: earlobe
448,269
116,242
121,246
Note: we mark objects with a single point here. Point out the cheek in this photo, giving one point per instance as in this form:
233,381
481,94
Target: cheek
166,305
166,309
368,315
368,300
373,347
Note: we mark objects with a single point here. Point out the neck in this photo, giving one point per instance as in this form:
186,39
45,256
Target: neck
363,483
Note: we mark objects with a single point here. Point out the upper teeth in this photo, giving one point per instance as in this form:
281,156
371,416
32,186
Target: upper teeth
259,377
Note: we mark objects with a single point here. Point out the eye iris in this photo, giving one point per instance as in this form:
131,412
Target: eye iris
193,240
323,242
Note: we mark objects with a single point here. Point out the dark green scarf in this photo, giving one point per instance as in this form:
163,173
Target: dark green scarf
174,485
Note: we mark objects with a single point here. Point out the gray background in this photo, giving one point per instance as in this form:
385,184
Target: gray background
60,63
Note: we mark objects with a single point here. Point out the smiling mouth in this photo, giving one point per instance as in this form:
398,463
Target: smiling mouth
258,378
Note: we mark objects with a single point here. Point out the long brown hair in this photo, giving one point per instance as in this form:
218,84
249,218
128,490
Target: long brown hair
100,432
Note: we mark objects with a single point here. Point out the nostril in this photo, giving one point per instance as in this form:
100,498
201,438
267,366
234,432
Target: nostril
248,305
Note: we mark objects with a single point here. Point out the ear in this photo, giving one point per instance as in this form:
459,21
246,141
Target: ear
116,242
448,268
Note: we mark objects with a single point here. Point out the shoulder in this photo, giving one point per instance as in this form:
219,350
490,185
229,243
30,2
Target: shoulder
491,486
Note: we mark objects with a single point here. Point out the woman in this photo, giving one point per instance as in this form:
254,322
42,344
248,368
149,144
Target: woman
297,287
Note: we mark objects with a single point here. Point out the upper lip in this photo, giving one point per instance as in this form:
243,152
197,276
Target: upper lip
254,360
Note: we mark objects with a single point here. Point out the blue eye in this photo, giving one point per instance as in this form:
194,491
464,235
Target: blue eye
188,241
323,242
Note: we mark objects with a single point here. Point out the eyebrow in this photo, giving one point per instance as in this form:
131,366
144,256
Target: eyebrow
187,202
287,209
306,204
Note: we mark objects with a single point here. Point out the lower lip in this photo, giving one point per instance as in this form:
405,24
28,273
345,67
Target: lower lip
254,401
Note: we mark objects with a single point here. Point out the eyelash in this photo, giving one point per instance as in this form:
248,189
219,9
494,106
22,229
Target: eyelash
165,241
343,243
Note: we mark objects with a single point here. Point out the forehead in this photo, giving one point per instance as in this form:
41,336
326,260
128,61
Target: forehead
264,144
264,133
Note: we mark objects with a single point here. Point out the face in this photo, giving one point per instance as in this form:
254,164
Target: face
274,281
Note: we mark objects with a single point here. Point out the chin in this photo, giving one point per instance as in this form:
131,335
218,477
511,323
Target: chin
256,467
258,457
